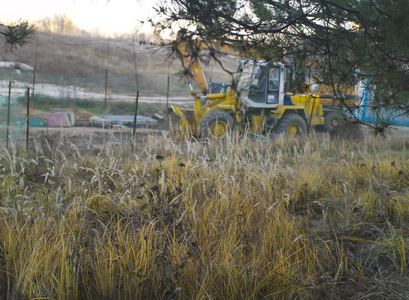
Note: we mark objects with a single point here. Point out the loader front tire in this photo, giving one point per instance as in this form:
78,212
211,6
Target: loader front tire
291,125
216,125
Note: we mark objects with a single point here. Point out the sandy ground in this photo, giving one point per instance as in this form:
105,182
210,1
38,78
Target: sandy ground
86,136
83,137
93,137
71,92
400,131
395,132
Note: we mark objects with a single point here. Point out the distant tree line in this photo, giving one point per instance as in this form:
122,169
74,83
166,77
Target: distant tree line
60,24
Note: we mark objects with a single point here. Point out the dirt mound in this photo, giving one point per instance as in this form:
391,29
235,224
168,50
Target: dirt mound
82,114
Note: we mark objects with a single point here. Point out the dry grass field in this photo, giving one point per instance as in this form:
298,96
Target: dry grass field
244,219
311,218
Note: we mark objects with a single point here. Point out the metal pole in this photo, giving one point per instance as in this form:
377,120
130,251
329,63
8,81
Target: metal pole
235,111
35,67
312,111
106,78
137,94
167,96
28,117
8,116
167,91
135,117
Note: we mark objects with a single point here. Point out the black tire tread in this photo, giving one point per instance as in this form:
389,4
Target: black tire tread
211,117
289,119
328,118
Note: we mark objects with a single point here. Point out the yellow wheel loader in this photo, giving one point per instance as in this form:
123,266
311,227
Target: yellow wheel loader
259,105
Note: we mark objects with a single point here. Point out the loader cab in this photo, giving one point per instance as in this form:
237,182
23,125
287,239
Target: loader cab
260,84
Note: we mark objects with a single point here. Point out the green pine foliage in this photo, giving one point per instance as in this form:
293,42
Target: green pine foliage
15,35
336,43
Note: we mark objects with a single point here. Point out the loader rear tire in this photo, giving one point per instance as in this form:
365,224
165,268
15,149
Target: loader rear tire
291,125
347,130
216,125
331,120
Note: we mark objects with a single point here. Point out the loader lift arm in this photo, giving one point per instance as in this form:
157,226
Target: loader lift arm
188,49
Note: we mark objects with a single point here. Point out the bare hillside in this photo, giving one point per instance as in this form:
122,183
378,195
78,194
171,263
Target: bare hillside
65,60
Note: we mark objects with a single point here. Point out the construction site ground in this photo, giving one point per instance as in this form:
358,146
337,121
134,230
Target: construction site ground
88,136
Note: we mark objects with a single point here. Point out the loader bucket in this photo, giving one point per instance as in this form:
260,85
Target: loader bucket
180,126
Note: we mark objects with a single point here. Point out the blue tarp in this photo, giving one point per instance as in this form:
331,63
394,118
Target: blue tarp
371,115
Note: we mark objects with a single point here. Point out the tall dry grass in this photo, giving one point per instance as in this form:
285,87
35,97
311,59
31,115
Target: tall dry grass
243,219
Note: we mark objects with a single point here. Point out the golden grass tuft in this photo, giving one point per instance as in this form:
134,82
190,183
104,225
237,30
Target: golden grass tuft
236,220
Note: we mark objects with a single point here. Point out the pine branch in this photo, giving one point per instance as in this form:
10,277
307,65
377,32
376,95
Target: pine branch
14,36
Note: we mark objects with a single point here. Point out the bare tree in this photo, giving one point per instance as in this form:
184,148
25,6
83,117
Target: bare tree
58,24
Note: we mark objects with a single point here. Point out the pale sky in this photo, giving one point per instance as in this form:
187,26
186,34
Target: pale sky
109,16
